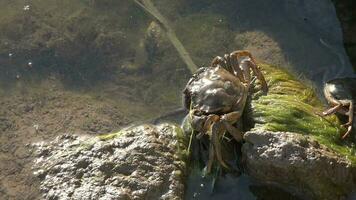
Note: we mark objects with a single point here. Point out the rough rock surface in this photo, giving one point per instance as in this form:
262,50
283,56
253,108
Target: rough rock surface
140,163
298,163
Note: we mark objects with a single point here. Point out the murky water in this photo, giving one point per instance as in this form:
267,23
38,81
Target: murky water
232,187
93,66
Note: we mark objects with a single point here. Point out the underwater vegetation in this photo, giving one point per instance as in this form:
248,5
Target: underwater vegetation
291,106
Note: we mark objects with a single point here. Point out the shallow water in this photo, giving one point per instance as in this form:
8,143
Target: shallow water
232,187
226,188
94,66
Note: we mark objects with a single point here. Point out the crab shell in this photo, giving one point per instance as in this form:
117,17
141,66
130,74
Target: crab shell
214,90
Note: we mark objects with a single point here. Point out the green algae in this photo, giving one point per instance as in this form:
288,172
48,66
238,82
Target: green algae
293,106
110,136
182,150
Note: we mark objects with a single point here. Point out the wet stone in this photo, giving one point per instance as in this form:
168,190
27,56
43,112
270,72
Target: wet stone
130,166
298,163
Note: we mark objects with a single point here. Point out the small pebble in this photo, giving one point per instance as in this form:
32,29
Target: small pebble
36,126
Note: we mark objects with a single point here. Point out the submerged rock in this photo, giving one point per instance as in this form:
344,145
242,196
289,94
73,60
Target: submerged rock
144,162
299,163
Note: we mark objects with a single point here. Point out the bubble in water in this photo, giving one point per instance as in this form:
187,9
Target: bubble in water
26,7
195,195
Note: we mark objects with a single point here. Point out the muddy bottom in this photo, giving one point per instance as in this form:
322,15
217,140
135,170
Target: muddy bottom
32,112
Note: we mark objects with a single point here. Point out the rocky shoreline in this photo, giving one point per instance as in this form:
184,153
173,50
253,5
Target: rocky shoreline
148,162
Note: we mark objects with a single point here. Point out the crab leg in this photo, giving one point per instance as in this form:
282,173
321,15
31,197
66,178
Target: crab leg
260,77
351,118
339,107
218,130
243,53
236,68
207,125
245,65
228,63
332,110
254,67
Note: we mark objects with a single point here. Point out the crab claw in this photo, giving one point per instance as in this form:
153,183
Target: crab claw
211,119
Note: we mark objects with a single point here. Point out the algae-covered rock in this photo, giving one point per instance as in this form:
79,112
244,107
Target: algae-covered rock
292,145
292,106
299,163
144,162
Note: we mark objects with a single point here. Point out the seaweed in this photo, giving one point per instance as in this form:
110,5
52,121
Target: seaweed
291,106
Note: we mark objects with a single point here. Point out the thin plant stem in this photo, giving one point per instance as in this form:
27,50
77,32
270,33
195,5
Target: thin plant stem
148,6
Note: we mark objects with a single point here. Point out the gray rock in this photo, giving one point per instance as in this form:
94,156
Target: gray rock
299,163
143,162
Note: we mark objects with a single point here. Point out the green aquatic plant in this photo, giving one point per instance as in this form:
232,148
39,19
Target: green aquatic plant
292,106
182,149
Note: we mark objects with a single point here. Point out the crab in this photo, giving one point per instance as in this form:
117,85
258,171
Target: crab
216,96
341,95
